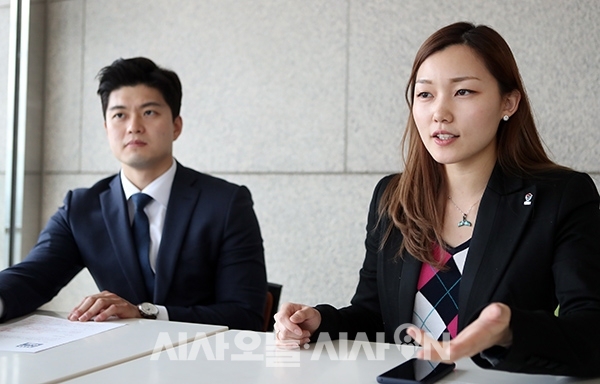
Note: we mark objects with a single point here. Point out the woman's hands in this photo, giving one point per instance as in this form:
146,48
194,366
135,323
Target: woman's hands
491,328
295,323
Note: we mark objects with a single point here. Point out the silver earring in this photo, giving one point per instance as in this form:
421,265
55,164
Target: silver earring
505,118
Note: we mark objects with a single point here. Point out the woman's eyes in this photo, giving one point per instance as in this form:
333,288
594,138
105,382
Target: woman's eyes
463,92
460,92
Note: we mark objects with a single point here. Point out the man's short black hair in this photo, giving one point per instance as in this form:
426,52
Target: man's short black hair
136,71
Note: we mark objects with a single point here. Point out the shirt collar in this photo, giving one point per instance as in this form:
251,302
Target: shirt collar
159,189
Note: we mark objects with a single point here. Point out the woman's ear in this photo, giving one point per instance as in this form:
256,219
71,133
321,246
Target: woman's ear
511,103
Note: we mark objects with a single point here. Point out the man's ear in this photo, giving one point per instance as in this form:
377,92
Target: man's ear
177,127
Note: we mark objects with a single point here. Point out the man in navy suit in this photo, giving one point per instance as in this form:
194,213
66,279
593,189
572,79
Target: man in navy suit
202,257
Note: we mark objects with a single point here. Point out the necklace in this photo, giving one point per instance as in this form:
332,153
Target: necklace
464,222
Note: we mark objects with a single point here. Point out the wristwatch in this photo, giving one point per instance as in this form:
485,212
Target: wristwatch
148,310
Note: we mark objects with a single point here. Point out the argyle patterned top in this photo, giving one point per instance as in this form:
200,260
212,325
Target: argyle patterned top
436,301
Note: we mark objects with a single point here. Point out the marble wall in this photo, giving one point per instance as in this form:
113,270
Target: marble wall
303,102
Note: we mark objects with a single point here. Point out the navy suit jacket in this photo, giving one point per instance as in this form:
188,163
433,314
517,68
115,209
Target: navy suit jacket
530,257
210,266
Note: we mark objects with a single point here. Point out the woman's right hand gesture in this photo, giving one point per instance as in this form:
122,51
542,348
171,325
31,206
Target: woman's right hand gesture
295,323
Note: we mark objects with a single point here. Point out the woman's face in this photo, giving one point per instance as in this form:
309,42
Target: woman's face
458,106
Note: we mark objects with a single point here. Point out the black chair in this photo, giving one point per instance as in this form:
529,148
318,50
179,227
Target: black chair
271,306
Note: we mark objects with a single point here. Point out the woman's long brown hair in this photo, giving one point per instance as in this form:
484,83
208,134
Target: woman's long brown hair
411,199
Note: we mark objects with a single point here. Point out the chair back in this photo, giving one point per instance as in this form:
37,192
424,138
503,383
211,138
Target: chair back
271,306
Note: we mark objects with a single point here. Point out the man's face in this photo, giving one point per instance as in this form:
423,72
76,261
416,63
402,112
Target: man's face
141,129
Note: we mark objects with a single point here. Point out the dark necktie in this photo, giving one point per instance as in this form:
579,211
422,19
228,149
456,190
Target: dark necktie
141,235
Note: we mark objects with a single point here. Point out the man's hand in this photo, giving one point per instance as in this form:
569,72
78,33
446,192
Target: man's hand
491,328
294,324
103,305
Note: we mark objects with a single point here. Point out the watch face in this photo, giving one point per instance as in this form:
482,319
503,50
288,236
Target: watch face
148,310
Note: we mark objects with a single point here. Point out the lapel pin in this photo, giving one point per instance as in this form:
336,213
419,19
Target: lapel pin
528,198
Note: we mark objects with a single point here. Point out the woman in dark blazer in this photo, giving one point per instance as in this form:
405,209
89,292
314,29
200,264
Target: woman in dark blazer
482,236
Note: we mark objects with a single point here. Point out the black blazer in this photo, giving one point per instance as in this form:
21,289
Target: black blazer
530,257
210,267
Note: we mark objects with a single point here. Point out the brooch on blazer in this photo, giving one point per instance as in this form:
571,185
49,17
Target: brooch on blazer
528,198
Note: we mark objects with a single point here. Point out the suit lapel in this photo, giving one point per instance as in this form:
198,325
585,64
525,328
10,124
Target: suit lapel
116,219
501,219
409,279
182,200
397,286
399,282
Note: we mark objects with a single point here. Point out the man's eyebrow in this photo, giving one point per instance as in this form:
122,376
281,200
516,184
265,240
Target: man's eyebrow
152,104
145,105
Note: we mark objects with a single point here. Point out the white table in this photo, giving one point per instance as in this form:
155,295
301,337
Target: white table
134,340
220,359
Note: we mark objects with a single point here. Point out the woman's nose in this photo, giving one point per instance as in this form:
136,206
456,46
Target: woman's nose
442,114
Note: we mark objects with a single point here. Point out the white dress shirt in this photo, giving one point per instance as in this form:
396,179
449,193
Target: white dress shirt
160,191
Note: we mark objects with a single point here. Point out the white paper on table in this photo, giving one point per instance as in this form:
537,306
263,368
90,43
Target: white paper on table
38,332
